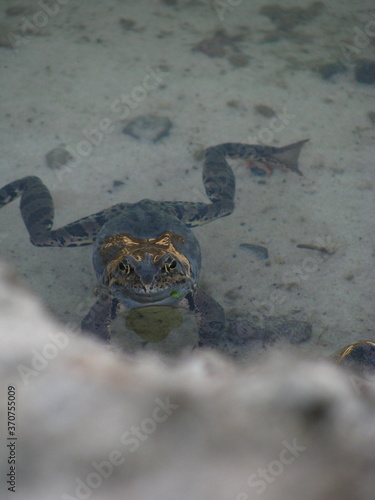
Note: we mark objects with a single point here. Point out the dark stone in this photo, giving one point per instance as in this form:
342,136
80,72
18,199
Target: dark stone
58,157
261,253
117,183
365,72
330,69
127,24
274,329
287,19
18,10
264,110
238,60
222,44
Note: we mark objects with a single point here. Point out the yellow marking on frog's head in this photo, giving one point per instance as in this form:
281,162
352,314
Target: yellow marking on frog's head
123,245
146,265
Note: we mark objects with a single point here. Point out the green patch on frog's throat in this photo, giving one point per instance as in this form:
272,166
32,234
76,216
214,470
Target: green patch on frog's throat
153,323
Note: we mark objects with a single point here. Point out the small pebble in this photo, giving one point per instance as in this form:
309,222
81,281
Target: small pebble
260,252
117,183
58,157
264,110
149,127
211,47
222,44
127,24
238,60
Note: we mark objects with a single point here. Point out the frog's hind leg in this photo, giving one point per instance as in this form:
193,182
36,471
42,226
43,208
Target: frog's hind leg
219,181
288,156
265,158
196,214
218,178
36,205
220,186
37,210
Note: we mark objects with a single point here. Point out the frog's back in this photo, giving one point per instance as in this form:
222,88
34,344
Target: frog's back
145,219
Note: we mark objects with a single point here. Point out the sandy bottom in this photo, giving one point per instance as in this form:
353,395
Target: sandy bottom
83,65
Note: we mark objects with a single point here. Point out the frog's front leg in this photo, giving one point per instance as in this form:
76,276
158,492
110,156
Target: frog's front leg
97,321
37,211
209,315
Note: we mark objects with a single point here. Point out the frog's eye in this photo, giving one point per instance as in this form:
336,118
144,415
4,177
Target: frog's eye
124,267
170,266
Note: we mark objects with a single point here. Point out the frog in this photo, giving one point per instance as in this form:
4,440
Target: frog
145,253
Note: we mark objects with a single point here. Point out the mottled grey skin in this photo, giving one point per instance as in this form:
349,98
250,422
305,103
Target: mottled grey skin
145,253
145,220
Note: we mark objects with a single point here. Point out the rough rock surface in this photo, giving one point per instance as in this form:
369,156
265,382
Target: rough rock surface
93,424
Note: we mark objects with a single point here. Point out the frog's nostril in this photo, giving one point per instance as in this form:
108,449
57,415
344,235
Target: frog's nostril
147,279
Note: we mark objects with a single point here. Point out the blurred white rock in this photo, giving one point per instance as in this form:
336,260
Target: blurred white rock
91,423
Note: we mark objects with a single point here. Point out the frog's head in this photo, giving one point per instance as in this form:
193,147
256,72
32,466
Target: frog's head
144,271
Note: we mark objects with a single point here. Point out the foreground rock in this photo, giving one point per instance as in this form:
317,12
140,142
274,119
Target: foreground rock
93,424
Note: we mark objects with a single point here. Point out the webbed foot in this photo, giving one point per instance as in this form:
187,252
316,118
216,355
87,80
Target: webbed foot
98,319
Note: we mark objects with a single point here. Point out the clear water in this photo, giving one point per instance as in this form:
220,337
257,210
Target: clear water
77,72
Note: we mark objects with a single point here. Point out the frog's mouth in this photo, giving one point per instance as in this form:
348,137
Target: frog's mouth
159,289
149,295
